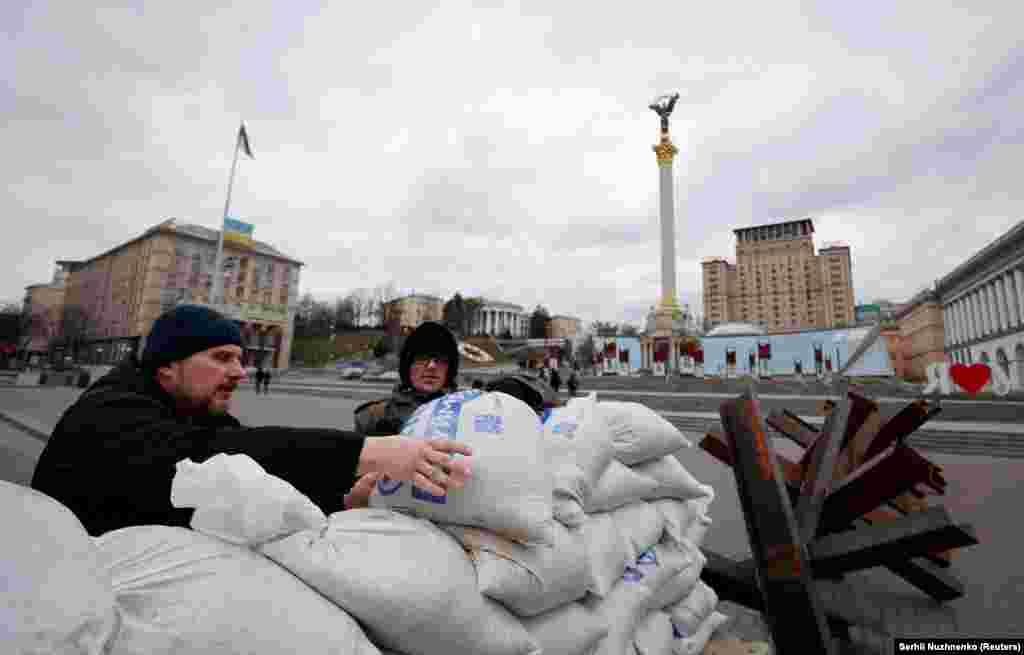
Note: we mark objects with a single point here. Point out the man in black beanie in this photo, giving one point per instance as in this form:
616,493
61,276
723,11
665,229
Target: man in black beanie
112,456
428,368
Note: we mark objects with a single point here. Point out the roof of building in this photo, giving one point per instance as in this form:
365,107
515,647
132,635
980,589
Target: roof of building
187,229
499,304
207,234
564,317
1014,235
801,221
418,296
736,330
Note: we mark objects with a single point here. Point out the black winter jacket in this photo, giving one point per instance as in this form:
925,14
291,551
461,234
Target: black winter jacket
112,456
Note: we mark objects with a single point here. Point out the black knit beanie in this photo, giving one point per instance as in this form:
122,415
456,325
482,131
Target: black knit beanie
185,331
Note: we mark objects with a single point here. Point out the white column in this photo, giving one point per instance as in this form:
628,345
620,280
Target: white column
993,307
961,323
954,309
947,329
1018,279
979,312
972,306
983,301
1011,299
1001,313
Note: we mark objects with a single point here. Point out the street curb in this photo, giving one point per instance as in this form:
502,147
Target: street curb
26,425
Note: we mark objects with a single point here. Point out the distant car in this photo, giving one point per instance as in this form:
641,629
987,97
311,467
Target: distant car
351,370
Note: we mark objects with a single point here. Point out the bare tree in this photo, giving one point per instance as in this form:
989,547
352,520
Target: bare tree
603,329
345,313
539,323
382,295
628,330
454,314
471,308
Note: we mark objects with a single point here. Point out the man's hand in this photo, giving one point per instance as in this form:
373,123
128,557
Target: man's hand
430,465
359,496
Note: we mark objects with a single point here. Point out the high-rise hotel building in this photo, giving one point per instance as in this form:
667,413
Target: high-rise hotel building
778,282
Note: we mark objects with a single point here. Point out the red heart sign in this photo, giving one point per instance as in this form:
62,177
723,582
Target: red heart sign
971,378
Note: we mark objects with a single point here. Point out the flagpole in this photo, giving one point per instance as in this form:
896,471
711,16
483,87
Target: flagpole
218,272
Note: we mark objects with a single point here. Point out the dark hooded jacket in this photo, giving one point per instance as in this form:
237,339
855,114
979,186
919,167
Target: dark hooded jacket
386,416
112,456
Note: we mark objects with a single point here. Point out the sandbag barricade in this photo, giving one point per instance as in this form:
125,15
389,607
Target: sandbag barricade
494,568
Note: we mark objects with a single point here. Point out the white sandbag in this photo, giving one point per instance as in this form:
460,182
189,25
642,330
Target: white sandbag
641,524
622,610
579,423
237,501
570,487
56,595
693,644
654,634
608,553
511,489
691,611
410,584
680,585
571,629
638,433
661,564
527,579
685,520
214,597
673,480
619,485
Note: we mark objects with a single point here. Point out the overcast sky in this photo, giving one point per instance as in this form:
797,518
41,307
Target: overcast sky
504,149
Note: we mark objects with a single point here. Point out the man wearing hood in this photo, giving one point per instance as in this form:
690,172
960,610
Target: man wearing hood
428,367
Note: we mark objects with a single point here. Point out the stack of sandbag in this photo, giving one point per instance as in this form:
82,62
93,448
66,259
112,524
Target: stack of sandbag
151,589
576,534
643,520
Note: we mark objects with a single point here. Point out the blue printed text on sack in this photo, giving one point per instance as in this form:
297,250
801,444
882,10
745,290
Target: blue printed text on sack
488,423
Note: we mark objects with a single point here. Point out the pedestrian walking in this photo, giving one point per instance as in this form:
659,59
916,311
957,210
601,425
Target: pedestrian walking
573,384
266,381
556,380
258,379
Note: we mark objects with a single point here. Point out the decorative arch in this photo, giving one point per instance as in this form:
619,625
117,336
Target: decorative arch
1018,356
1003,361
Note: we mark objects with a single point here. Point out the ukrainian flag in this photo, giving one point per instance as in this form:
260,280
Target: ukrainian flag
237,231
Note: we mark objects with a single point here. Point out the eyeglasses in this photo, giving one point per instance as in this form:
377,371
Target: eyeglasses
422,360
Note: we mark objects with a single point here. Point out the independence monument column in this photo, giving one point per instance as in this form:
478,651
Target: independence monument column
667,310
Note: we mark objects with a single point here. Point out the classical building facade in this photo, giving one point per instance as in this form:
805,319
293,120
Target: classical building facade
496,318
409,311
778,282
114,297
982,303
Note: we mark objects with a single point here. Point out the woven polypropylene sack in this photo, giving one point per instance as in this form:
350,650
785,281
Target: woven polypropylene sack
619,486
681,584
638,433
510,491
410,584
660,565
579,422
214,597
654,634
641,524
693,644
570,488
690,612
56,595
685,520
673,480
528,579
608,553
237,501
571,629
622,608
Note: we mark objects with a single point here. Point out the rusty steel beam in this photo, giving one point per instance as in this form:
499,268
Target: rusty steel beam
820,468
913,535
902,425
792,605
